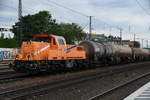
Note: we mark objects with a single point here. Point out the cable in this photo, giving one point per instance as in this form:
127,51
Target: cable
9,7
85,26
13,8
60,17
142,7
52,2
13,18
116,27
67,8
78,13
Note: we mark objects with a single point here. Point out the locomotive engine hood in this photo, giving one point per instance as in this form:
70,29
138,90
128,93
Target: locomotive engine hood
32,50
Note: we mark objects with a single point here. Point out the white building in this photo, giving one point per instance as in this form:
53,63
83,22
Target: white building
6,31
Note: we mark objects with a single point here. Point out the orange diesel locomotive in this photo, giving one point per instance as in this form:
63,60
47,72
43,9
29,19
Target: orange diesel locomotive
46,53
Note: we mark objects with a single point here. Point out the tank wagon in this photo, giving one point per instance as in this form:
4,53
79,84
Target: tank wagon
140,54
47,52
105,53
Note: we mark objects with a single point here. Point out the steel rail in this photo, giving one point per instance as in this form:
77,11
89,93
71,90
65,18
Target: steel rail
119,86
33,90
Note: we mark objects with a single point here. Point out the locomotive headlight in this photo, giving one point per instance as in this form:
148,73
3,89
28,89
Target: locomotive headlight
17,56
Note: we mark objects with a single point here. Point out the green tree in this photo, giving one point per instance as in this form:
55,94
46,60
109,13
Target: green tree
30,25
8,43
72,32
43,22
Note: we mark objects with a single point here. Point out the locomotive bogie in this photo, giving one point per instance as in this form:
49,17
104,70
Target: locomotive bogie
47,65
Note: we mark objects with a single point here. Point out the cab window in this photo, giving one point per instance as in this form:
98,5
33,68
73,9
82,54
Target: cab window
61,41
42,39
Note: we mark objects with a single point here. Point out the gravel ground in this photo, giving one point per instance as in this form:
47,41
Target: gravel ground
87,89
3,66
84,90
44,78
122,93
6,70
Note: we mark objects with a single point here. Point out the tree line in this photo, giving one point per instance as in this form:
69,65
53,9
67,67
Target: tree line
43,23
7,42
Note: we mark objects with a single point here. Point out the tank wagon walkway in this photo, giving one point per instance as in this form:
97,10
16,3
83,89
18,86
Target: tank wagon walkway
142,93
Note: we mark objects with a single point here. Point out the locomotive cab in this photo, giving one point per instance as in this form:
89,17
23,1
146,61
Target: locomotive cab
52,39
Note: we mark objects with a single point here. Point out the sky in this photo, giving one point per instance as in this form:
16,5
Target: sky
133,16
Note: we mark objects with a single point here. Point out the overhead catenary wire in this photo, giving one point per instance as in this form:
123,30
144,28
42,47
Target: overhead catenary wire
110,26
85,25
68,19
74,11
49,1
11,7
59,5
140,5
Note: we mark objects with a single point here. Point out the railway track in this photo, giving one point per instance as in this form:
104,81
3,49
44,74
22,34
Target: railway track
8,75
105,93
12,76
4,68
6,71
44,88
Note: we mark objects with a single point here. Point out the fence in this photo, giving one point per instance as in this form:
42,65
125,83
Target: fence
8,53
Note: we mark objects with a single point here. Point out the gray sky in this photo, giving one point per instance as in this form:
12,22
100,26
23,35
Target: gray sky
107,14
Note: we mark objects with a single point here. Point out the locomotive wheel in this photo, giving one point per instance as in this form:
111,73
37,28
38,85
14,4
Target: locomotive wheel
69,63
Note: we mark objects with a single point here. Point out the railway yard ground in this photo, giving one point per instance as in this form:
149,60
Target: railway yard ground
106,83
4,64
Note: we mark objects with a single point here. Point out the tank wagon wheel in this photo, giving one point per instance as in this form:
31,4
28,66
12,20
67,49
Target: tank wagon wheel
111,61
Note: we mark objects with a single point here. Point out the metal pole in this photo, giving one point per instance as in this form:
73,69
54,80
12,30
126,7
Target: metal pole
134,39
1,31
147,43
129,29
90,27
20,9
120,36
142,42
110,29
19,18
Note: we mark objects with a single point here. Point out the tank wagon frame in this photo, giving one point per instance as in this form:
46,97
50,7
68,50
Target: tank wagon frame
103,53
